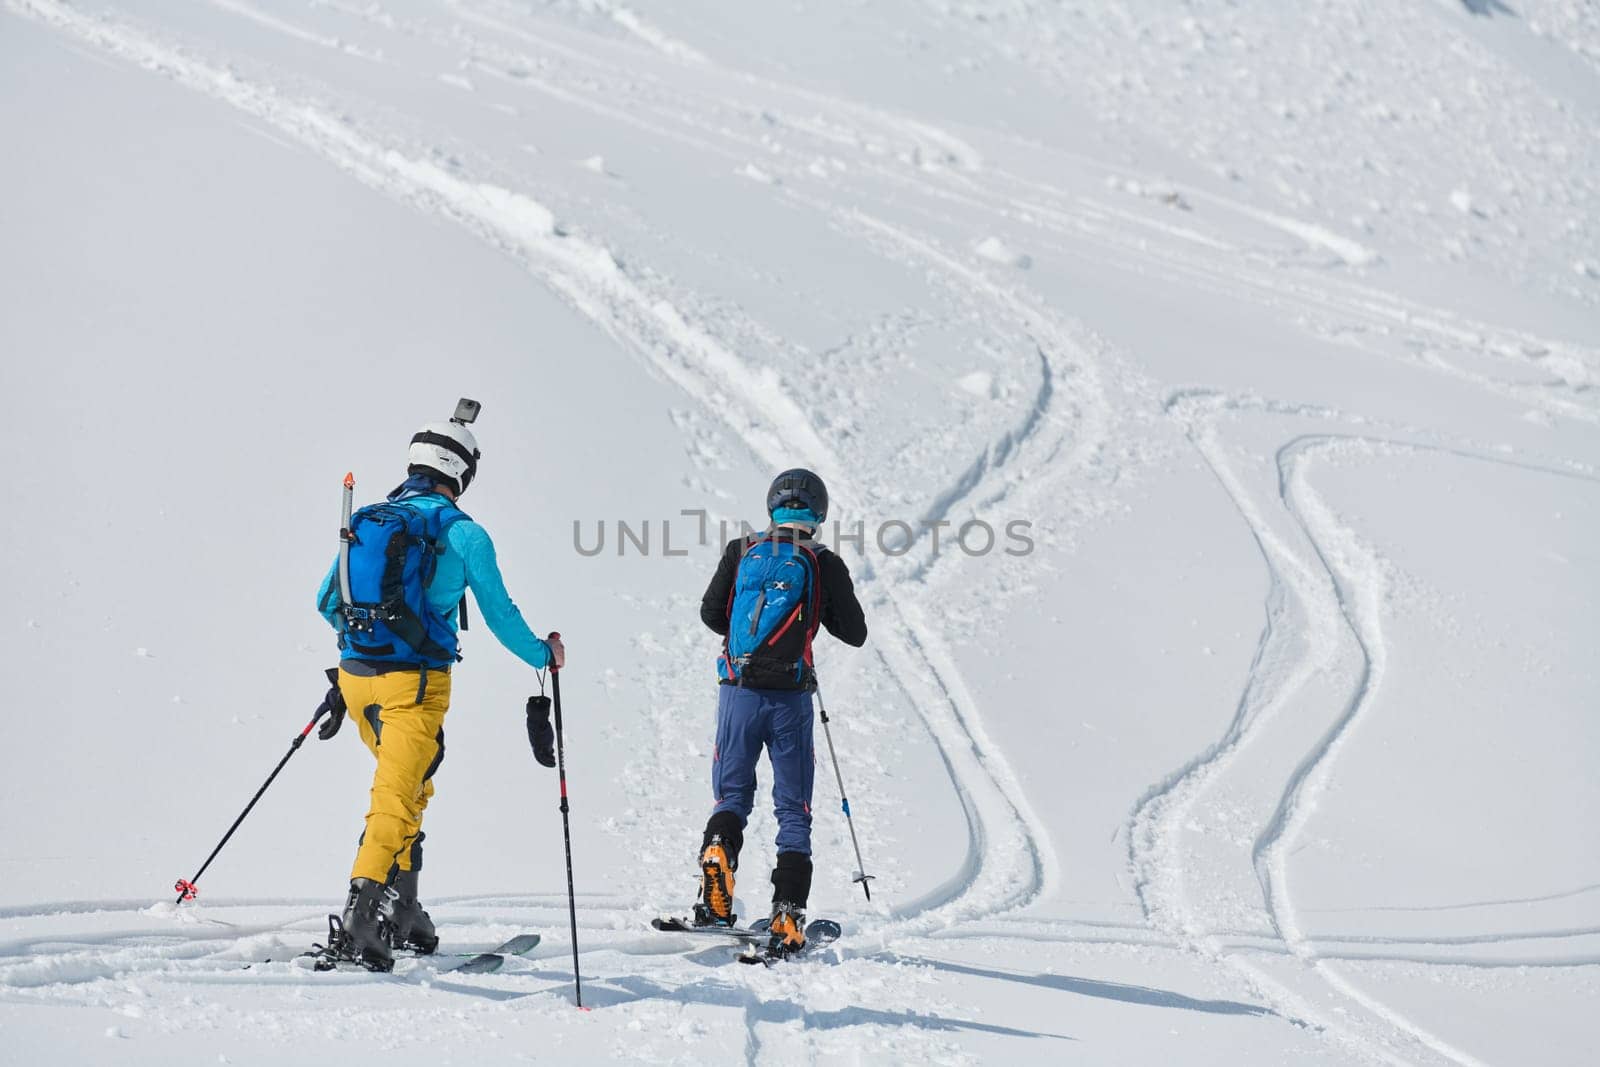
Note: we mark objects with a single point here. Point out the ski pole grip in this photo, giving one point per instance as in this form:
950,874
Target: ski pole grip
555,635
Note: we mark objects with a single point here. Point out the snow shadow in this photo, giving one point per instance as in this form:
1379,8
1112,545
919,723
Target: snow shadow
628,989
1089,987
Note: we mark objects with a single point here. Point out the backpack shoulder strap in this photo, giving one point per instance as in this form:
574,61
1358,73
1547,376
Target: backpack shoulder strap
815,551
448,516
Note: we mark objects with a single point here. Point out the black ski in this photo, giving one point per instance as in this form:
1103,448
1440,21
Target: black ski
495,958
819,932
325,958
672,925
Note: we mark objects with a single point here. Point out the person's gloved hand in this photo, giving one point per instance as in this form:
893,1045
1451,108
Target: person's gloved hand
333,705
541,735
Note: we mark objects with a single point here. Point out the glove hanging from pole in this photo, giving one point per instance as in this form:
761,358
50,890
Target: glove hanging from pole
541,735
333,704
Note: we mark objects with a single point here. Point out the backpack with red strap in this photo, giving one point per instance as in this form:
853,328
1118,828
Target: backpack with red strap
773,609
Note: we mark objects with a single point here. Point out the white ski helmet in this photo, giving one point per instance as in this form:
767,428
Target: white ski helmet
446,450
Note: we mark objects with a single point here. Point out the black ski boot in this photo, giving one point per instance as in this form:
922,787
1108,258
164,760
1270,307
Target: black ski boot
411,928
365,927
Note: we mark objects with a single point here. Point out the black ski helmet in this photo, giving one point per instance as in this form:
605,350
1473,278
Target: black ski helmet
798,488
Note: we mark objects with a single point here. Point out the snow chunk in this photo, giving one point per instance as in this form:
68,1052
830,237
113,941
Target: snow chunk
597,164
653,36
459,82
756,174
997,250
1160,192
1467,204
979,383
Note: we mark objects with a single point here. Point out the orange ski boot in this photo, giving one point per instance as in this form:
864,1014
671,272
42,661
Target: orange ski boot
787,929
716,886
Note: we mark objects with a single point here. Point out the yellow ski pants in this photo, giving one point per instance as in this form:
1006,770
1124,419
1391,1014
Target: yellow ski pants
407,737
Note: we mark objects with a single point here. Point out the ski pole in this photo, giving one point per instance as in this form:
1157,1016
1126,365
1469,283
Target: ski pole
186,887
861,868
566,824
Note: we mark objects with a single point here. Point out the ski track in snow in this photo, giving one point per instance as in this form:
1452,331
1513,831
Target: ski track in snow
1319,601
284,26
1356,580
1337,586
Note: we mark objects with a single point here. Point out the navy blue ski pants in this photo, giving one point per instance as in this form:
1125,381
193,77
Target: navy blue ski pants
780,721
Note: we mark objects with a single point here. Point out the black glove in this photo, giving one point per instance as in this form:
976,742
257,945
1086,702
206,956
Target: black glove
541,735
333,706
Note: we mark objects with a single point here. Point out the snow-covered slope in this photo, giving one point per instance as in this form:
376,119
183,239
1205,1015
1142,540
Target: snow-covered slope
1279,327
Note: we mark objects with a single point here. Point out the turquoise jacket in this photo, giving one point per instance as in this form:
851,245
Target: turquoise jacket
466,561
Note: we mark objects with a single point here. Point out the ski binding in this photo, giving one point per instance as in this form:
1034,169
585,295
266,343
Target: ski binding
819,932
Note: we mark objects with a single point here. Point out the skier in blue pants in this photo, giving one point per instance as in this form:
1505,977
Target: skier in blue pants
749,720
769,595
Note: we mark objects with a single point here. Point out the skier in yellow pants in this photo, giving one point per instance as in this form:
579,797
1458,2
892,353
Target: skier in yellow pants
408,740
393,598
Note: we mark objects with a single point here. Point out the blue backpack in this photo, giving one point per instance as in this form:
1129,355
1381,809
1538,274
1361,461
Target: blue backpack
394,549
773,609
